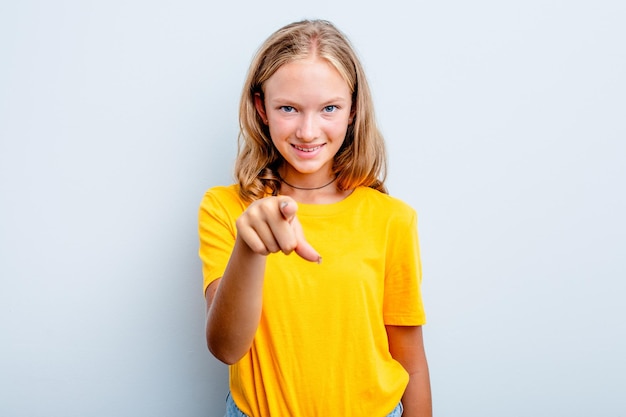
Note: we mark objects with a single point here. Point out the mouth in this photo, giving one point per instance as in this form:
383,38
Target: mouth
308,148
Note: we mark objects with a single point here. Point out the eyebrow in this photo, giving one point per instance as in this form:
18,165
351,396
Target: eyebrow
324,103
336,99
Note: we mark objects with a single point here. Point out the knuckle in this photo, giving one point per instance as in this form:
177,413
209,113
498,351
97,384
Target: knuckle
289,245
259,248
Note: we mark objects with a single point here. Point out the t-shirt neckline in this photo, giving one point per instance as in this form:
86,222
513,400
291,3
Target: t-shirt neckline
318,210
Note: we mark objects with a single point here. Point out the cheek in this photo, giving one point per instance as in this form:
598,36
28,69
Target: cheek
278,130
338,130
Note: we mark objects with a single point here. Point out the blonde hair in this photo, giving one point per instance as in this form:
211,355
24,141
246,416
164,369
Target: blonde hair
361,161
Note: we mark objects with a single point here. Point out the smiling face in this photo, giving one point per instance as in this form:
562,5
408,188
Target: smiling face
308,107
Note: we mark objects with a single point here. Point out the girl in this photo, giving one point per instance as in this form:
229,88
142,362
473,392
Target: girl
334,328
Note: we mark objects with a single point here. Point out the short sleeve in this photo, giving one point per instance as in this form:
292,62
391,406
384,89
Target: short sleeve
219,209
403,305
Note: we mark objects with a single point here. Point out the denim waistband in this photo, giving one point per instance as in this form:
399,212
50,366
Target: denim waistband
233,411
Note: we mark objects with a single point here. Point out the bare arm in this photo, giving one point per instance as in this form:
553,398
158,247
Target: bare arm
406,345
234,305
234,301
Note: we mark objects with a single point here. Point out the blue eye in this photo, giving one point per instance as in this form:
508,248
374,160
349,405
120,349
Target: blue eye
330,109
287,109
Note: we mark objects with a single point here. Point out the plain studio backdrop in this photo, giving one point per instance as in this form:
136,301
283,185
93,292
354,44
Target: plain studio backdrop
506,129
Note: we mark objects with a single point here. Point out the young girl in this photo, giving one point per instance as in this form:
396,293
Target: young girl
311,271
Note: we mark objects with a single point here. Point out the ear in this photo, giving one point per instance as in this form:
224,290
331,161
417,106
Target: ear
260,107
352,114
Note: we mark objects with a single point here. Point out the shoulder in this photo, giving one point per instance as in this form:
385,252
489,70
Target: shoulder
385,203
223,198
230,192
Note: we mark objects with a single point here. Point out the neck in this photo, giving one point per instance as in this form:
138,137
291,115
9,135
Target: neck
297,187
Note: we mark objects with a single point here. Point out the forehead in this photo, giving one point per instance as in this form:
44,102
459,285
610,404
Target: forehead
310,76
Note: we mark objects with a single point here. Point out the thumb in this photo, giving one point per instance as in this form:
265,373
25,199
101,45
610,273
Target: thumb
288,209
304,248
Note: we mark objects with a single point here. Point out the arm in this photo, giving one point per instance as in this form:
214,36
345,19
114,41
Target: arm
406,345
234,301
234,305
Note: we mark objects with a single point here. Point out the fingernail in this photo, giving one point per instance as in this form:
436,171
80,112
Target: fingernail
319,260
283,204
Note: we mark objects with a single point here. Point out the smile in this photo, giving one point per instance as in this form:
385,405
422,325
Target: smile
300,148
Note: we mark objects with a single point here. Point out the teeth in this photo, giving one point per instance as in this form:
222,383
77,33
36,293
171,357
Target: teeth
306,149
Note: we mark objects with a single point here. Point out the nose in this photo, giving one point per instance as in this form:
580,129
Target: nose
308,129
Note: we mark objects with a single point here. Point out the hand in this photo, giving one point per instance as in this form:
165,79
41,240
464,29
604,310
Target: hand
270,225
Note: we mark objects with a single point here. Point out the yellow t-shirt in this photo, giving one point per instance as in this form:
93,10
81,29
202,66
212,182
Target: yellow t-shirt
321,347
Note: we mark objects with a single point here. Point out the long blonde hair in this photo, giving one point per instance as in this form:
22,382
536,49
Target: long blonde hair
361,161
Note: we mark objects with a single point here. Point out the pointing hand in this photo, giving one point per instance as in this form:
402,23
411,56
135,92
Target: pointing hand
270,225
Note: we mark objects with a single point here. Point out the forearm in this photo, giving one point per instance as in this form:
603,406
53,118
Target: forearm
234,313
406,345
417,401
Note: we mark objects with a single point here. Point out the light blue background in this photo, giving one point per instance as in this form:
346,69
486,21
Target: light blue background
506,128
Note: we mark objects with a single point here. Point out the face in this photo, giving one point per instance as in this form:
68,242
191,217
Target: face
308,107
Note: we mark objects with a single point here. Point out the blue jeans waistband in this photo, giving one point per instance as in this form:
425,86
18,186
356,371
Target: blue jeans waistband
233,411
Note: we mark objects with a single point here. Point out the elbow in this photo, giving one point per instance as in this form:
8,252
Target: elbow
224,357
221,351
